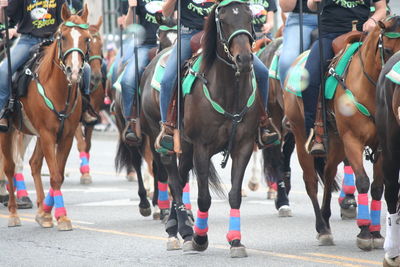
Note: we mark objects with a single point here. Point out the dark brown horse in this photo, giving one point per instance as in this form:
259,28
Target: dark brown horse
52,110
388,127
83,134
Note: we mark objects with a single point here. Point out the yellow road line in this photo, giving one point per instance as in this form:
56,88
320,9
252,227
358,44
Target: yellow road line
256,251
345,258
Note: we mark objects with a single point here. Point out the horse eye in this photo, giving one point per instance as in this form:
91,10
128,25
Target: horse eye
63,37
88,40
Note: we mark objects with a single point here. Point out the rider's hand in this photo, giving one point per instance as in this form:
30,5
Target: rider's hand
13,33
121,21
266,28
132,3
369,25
3,3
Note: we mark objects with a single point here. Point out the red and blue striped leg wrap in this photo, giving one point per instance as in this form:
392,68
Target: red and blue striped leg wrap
363,218
348,186
59,204
163,199
186,197
201,224
272,185
234,226
48,202
84,162
376,206
19,183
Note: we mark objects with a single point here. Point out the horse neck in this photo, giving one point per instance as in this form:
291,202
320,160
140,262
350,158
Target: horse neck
371,58
51,77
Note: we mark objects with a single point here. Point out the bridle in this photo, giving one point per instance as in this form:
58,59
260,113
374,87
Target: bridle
226,42
62,55
94,57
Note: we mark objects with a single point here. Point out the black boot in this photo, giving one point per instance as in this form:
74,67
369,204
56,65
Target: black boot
87,118
267,133
130,136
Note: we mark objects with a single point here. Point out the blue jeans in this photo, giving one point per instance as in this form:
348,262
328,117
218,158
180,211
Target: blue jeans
19,54
170,75
291,43
261,72
128,47
128,81
311,93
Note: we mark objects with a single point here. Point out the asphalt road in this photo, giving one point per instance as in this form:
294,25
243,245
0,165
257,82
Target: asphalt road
109,231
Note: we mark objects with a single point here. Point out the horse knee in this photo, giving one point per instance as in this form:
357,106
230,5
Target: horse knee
362,183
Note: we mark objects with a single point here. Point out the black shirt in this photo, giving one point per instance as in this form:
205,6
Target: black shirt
193,13
146,10
259,8
337,15
36,17
305,7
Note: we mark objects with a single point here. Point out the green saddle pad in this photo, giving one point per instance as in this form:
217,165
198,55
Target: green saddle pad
394,73
274,67
331,82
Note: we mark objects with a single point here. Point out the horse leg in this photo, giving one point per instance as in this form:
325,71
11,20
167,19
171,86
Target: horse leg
240,159
354,152
185,165
144,205
45,205
347,200
376,205
88,141
83,155
254,182
287,150
6,141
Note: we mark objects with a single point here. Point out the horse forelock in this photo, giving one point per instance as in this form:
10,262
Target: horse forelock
209,44
393,24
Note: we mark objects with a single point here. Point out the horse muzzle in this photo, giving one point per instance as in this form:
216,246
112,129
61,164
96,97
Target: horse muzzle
73,75
244,62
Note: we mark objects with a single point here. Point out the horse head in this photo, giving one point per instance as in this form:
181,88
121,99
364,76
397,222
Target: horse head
96,52
229,35
167,32
73,43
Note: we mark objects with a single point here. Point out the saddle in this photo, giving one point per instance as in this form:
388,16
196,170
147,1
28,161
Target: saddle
261,43
343,40
196,41
22,77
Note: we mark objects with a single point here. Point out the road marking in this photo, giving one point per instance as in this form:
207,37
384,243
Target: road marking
110,203
33,216
345,258
349,260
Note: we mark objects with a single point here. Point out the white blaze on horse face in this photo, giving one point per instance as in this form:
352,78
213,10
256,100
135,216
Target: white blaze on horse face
75,54
172,37
235,11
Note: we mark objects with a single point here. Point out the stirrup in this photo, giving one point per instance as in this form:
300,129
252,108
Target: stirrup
313,147
134,139
165,141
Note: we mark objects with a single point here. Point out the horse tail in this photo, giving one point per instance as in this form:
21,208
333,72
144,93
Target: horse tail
319,164
213,180
127,157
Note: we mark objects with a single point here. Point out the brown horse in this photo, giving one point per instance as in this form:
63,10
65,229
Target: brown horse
355,132
52,110
83,134
388,127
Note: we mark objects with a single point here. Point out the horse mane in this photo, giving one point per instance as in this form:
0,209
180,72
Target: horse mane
395,26
46,58
209,42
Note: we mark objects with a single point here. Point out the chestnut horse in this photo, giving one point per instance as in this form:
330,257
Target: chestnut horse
388,127
83,134
51,110
349,136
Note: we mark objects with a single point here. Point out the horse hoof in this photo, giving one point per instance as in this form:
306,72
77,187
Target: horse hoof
364,244
14,221
131,177
64,224
285,211
253,186
238,252
44,220
389,262
145,212
156,213
348,214
377,243
86,178
325,240
271,194
173,243
188,248
200,247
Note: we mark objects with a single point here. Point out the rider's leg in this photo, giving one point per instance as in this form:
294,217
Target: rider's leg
267,135
128,85
168,83
291,44
87,118
19,55
311,93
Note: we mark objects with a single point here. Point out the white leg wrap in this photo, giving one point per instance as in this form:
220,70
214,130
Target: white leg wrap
392,240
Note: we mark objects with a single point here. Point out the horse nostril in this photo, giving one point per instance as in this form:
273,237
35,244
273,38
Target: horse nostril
68,70
238,59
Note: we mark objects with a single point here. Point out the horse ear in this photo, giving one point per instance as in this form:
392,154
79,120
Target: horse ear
381,25
85,13
99,22
65,12
159,18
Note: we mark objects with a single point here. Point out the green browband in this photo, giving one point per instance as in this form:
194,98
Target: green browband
71,24
166,28
227,2
392,35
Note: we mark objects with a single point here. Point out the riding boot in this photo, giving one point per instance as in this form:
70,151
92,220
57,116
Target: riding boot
316,136
165,140
267,132
129,133
3,121
87,118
